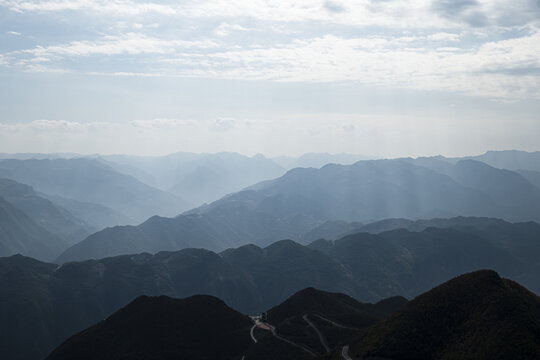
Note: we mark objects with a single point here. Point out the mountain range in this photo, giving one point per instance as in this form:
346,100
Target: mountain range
370,231
369,267
166,328
90,181
474,316
20,234
305,198
318,160
198,178
52,217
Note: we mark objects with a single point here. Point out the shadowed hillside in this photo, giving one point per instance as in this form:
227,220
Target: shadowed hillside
311,322
368,267
52,217
19,233
199,327
91,181
474,316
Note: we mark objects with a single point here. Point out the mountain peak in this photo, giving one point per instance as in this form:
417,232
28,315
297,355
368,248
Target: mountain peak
159,327
477,315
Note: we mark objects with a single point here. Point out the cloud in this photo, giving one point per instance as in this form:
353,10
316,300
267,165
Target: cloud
118,7
162,123
62,126
348,128
412,14
334,6
130,43
14,33
532,69
489,69
326,132
225,29
468,11
452,8
434,45
386,62
223,124
443,36
277,11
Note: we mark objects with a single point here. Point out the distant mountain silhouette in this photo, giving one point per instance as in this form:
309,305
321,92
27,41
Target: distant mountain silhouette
284,267
330,230
510,159
318,160
91,181
198,178
515,198
154,235
96,215
409,263
513,160
518,239
302,199
19,233
532,176
50,216
200,327
474,316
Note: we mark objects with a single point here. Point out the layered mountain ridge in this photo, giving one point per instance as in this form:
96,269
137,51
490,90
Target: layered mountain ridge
302,199
474,316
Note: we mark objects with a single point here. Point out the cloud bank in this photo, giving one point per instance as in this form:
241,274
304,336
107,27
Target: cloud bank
475,47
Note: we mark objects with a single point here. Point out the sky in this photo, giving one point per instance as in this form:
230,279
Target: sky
384,78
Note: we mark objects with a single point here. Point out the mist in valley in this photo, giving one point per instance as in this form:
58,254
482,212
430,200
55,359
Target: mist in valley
251,180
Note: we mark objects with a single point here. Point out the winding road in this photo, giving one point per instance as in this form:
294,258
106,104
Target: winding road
266,326
292,343
321,337
345,353
335,324
252,334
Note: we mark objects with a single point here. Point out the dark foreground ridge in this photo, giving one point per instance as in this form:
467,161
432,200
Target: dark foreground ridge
306,325
474,316
198,327
311,322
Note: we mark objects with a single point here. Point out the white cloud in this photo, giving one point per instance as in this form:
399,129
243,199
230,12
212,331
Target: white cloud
40,68
225,29
118,7
411,14
162,123
130,43
388,62
495,69
443,36
14,33
413,44
416,14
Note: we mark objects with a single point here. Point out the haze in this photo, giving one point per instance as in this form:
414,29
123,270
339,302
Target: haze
382,78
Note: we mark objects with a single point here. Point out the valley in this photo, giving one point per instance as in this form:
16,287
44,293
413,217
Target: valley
360,230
